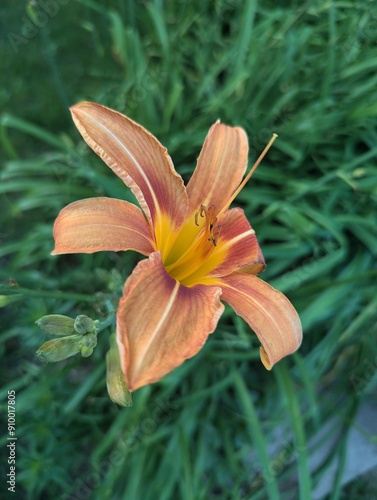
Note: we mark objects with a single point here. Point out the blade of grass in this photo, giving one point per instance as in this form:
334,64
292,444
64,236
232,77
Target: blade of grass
84,389
256,433
284,380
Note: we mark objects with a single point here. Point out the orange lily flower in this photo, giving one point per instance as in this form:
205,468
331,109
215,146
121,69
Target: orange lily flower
199,251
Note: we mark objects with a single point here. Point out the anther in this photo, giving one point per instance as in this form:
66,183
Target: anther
211,219
215,233
196,218
202,212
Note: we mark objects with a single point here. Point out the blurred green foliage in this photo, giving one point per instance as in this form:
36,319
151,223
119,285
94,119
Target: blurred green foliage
219,426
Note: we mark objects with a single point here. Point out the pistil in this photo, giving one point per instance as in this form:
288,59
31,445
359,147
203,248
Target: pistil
247,178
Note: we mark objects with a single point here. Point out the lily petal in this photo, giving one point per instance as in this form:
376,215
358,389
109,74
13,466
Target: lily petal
237,249
97,224
138,159
220,168
239,244
268,312
160,323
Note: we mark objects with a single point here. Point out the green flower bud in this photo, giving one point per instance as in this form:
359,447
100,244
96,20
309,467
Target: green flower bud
88,343
56,324
84,324
58,349
89,340
86,351
116,386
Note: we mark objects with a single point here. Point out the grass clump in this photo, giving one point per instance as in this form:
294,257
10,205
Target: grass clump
219,426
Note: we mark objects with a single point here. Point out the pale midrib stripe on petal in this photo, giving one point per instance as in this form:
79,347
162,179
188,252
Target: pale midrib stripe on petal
132,158
278,327
157,328
258,305
237,238
127,228
219,173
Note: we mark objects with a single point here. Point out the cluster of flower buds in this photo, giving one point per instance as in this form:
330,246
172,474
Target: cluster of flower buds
76,336
79,335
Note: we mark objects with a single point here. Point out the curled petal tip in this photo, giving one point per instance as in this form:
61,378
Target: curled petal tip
264,359
268,312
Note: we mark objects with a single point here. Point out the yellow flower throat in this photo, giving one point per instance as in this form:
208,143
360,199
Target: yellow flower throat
195,251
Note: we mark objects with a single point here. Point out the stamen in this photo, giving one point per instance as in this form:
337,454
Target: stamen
214,233
202,212
211,219
196,218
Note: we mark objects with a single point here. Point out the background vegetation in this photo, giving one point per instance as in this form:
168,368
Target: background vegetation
220,426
